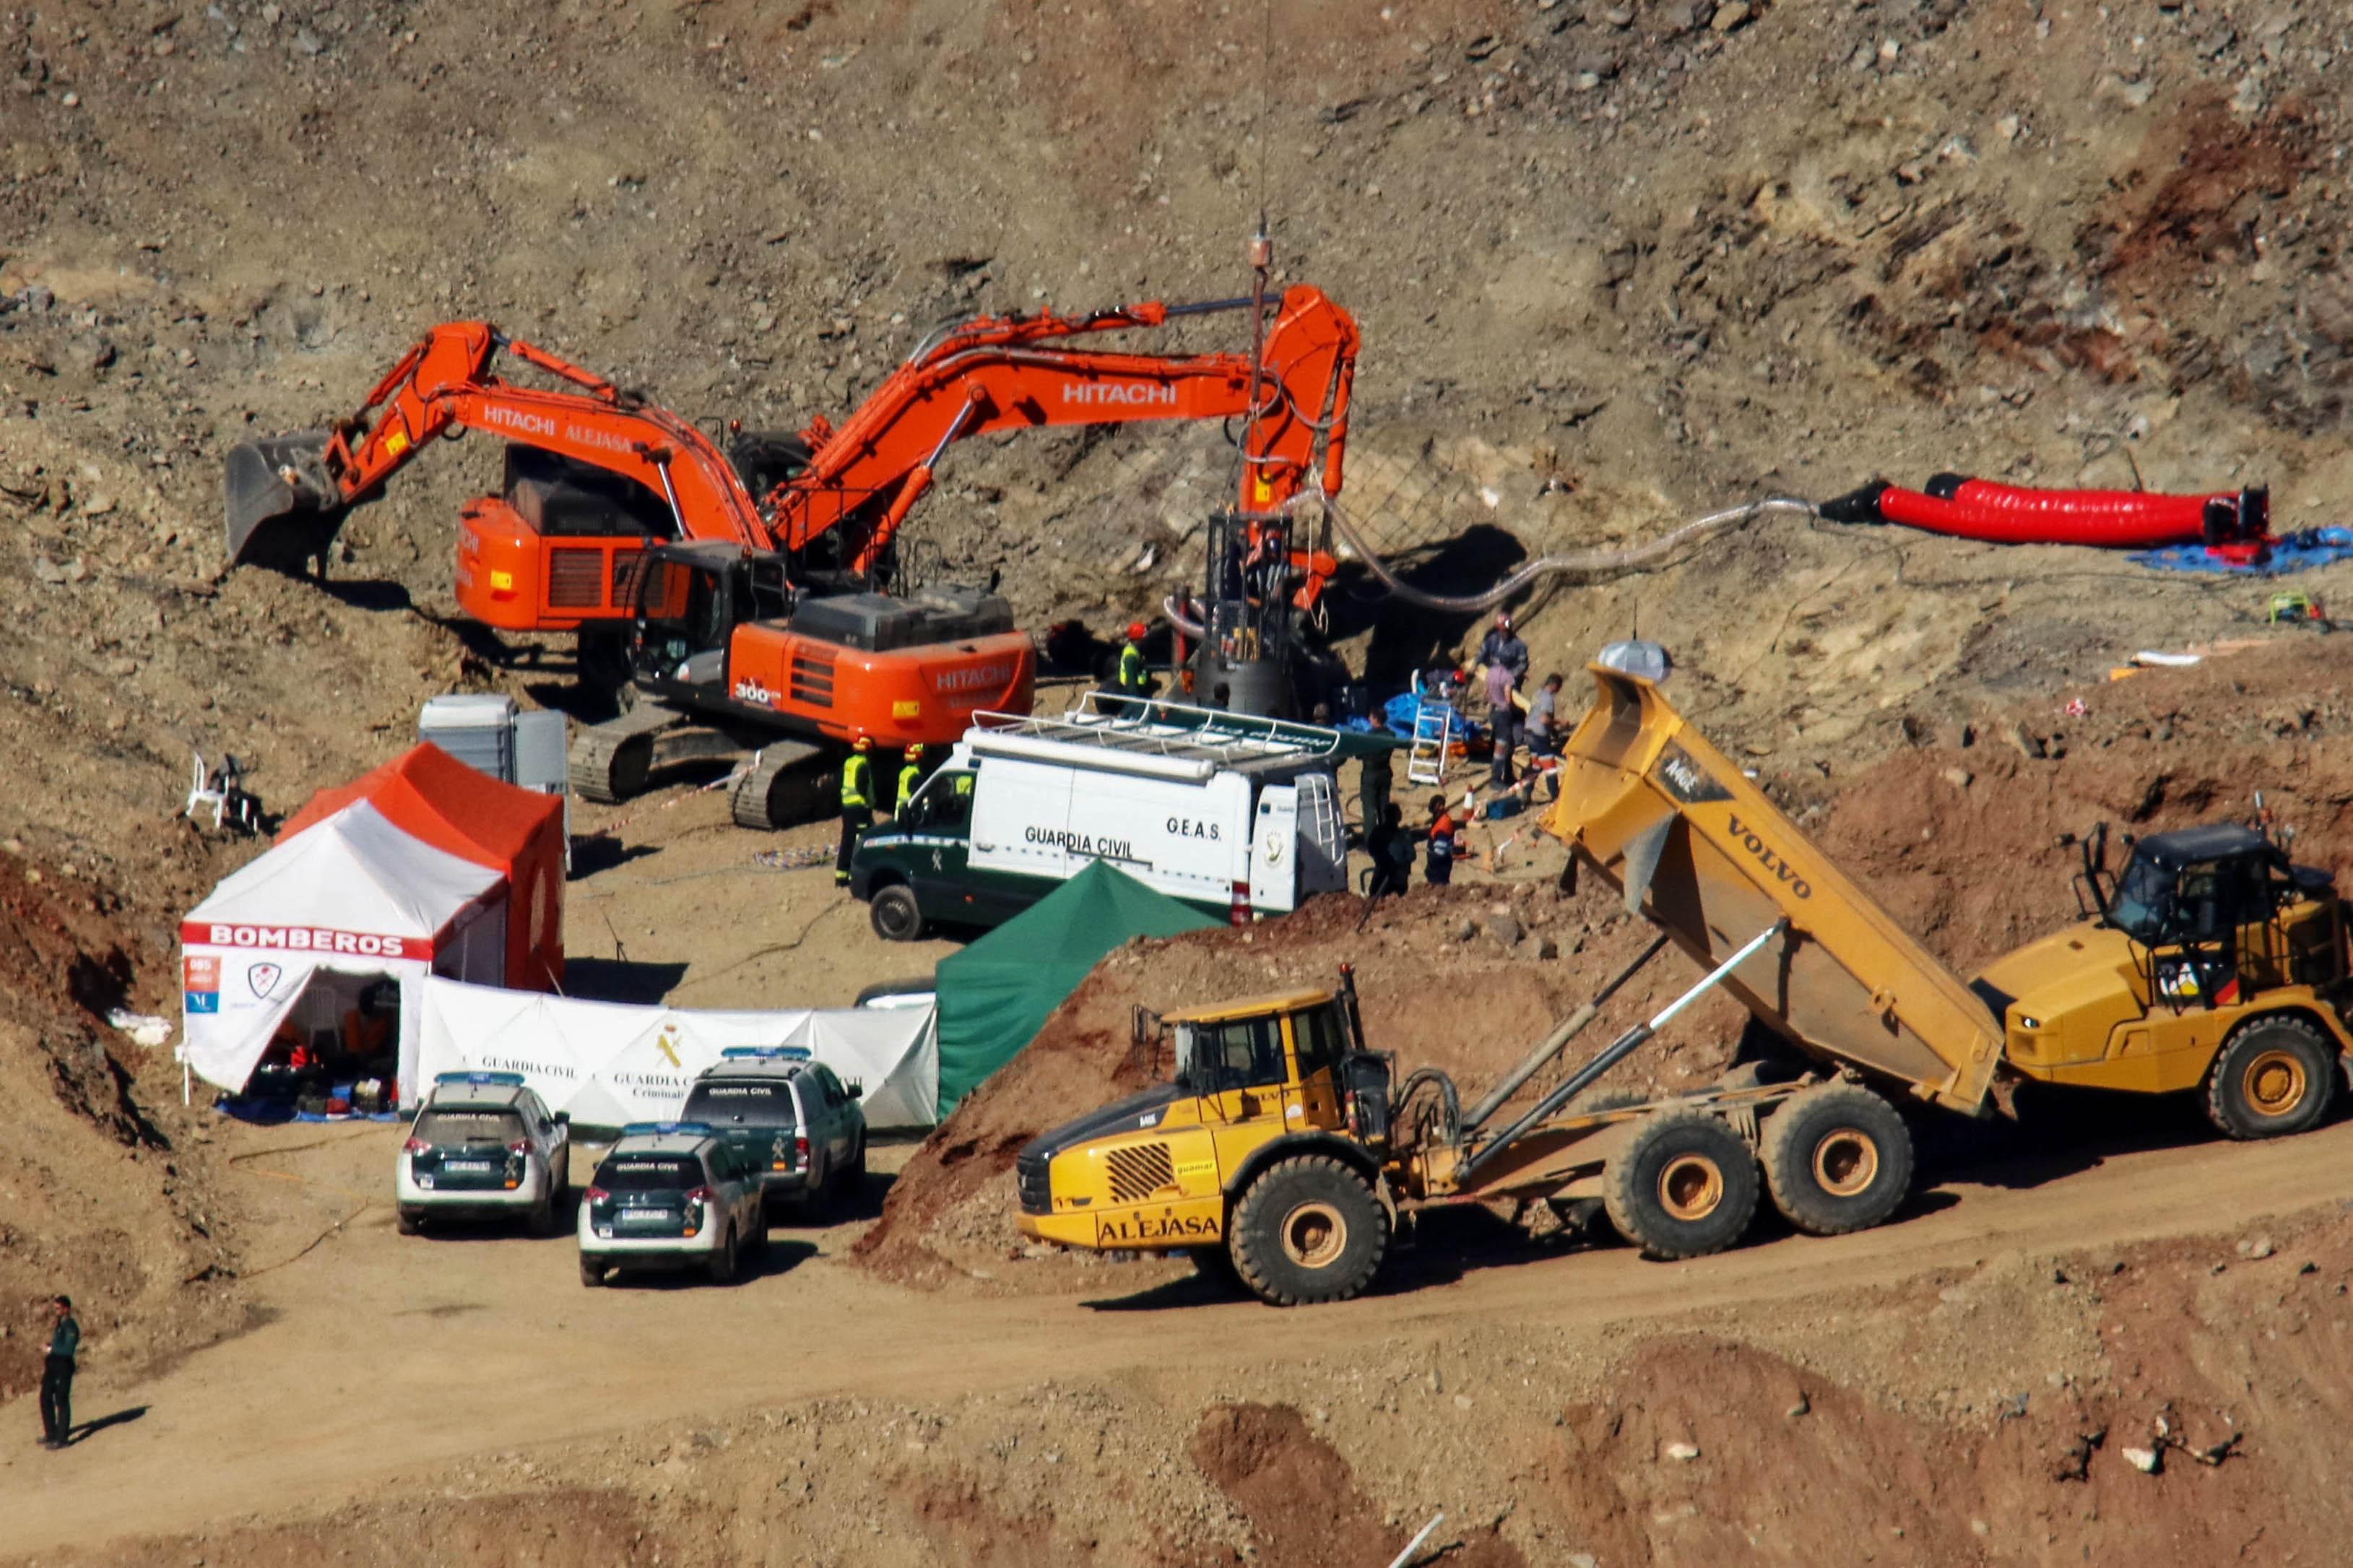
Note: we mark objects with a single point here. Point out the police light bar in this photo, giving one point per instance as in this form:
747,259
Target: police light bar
504,1080
666,1129
766,1053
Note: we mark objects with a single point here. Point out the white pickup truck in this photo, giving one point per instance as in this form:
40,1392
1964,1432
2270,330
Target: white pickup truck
1222,811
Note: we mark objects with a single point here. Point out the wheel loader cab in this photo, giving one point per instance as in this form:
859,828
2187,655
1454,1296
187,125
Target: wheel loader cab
1155,1171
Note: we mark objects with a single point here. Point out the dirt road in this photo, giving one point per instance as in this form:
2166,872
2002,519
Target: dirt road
372,1357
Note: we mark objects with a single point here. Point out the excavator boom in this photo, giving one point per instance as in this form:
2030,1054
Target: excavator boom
287,496
990,376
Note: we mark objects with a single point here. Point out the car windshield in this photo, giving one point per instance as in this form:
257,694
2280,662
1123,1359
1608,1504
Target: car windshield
440,1127
1242,1053
740,1105
2143,907
649,1173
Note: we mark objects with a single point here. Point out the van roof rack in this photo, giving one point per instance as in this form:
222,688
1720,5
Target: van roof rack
1169,739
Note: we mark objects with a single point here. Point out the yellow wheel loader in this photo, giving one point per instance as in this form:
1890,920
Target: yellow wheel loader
1286,1149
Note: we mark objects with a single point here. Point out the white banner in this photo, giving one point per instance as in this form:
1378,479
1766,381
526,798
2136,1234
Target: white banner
609,1064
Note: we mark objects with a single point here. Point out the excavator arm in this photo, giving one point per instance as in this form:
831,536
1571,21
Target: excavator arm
999,374
287,496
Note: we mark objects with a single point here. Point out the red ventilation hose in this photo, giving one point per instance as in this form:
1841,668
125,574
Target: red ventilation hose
2114,520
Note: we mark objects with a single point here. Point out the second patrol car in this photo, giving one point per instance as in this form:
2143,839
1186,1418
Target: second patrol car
485,1146
670,1194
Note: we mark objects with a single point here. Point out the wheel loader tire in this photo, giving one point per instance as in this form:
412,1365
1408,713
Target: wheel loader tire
1308,1230
1684,1187
2274,1076
1837,1158
895,915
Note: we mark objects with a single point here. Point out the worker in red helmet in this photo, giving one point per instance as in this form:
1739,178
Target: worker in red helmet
1134,676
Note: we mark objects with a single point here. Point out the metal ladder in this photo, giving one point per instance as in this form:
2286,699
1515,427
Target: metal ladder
1433,738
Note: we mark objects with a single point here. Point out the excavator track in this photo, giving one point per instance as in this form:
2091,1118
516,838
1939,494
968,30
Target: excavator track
787,782
609,763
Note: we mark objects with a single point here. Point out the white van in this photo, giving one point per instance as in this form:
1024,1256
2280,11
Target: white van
1225,811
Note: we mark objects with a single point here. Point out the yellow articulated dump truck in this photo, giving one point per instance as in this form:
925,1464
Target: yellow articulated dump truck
1286,1149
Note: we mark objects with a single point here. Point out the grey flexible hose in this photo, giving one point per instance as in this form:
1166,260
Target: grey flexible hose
1588,564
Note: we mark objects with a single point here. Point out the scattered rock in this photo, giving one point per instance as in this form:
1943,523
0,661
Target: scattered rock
2257,1248
1727,18
1804,1406
1467,930
2147,1461
1957,777
1682,1453
1505,928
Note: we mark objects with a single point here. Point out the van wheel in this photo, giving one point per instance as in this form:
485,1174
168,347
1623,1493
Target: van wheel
1308,1230
2275,1076
1837,1158
894,914
592,1273
1684,1187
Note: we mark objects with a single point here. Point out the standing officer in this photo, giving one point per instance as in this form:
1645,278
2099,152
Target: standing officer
56,1375
857,806
911,778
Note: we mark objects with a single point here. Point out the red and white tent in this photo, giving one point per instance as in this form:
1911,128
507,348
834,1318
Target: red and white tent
352,896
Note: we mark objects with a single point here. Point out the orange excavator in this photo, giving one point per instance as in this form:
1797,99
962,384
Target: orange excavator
739,584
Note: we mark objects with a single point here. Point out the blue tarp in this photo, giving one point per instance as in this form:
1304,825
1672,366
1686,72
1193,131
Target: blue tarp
2290,553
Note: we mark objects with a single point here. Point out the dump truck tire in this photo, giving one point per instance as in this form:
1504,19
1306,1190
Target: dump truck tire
1837,1158
1685,1187
2274,1077
1308,1230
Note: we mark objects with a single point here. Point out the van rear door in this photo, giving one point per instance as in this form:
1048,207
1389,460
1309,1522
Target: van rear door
1274,851
1323,836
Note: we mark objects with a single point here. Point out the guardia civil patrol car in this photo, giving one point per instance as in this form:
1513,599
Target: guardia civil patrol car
483,1146
789,1116
670,1194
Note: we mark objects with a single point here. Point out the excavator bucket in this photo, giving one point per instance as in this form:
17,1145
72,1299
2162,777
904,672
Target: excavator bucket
283,507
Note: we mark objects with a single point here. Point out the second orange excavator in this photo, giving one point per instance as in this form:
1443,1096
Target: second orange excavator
736,589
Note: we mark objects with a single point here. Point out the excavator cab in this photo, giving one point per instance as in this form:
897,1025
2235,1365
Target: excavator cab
687,599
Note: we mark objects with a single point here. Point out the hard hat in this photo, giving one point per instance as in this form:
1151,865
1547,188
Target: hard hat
915,749
1136,631
865,744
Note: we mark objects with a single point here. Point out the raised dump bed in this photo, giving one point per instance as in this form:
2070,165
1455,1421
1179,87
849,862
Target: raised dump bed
1649,806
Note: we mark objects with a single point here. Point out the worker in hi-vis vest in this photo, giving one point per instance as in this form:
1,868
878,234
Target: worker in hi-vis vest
857,806
911,778
1134,678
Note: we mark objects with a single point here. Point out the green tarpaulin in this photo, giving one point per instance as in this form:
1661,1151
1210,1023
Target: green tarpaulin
995,993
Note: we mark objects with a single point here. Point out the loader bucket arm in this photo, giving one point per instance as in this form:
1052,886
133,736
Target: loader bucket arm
1002,374
286,496
1696,848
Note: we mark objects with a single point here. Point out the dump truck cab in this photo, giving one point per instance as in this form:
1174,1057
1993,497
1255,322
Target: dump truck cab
2208,937
1257,1082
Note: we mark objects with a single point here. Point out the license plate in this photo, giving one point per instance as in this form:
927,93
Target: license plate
470,1166
645,1216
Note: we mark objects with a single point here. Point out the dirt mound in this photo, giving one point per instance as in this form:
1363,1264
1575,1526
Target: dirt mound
1301,1498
